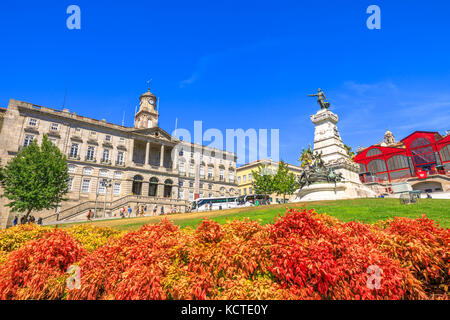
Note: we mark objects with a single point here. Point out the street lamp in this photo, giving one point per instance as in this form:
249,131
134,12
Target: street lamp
105,183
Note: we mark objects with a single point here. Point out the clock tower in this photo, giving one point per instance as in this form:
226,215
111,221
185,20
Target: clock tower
147,116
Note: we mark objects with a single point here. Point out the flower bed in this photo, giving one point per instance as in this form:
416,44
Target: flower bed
302,255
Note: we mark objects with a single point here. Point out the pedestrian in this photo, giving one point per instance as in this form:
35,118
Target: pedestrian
32,219
129,211
89,215
155,209
162,209
145,209
16,219
39,222
23,220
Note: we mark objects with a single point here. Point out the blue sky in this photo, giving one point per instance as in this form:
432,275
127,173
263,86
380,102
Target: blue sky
236,64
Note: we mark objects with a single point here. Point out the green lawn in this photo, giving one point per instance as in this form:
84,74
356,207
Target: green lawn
365,210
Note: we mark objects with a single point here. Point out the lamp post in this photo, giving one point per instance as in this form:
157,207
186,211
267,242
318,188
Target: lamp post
105,183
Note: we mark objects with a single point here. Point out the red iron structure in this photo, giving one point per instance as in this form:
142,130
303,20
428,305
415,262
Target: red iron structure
421,154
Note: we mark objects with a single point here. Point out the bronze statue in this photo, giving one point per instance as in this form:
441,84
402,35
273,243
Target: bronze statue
321,99
317,172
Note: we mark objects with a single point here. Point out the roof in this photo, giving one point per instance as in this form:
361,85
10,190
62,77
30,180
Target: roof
427,132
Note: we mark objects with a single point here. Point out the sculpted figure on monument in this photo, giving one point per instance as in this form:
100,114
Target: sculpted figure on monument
321,99
315,170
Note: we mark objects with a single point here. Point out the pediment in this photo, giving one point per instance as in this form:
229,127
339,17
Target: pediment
156,133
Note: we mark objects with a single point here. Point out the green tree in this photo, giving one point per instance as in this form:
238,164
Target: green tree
263,180
36,178
349,150
306,158
285,182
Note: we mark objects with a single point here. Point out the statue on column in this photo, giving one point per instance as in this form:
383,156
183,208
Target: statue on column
321,99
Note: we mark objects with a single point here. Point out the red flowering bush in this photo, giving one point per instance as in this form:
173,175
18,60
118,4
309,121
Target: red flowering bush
314,259
422,247
131,267
38,269
303,255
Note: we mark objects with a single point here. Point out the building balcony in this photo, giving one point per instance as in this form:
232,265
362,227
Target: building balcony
90,159
105,161
120,163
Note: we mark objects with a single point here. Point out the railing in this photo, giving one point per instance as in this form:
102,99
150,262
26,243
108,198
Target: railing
111,206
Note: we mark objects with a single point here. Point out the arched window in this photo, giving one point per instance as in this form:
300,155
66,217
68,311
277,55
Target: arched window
222,191
419,142
87,171
153,187
376,166
373,152
232,192
137,185
445,153
397,162
168,188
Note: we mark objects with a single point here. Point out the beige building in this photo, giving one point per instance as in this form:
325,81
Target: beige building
245,176
113,166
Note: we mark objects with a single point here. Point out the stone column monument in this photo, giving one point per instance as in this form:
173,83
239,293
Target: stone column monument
328,142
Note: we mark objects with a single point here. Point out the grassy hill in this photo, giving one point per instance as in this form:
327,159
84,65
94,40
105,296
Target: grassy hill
365,210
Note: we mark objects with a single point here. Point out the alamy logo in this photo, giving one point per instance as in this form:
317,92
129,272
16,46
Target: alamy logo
74,280
374,21
374,280
74,20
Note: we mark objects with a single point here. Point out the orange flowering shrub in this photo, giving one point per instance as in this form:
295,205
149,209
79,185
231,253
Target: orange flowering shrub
38,269
313,259
422,247
302,255
132,266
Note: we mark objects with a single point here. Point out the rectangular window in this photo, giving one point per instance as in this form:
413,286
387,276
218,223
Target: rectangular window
87,171
53,141
85,185
245,191
239,179
244,178
118,175
181,194
28,139
73,150
231,176
210,172
191,196
120,156
101,187
108,138
191,184
249,177
103,173
122,140
221,174
250,190
105,156
32,122
90,153
116,189
70,184
71,168
54,126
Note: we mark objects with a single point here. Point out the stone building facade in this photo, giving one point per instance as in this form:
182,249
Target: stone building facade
112,166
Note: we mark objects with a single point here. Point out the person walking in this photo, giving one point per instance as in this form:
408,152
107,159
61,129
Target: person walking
129,211
162,209
16,220
145,210
39,222
155,209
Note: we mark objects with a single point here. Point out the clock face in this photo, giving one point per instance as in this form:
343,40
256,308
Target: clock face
151,101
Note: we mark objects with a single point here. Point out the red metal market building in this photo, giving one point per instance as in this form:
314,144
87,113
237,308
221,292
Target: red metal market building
422,158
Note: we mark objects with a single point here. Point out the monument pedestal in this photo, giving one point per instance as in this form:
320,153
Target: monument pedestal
328,142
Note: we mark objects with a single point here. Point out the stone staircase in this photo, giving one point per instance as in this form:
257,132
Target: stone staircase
79,211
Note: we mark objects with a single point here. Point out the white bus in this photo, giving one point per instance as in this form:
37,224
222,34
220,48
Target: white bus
221,203
204,204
